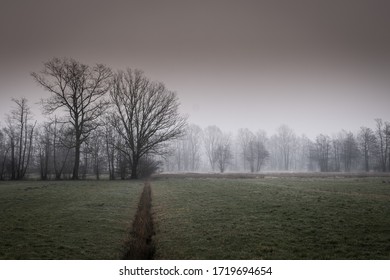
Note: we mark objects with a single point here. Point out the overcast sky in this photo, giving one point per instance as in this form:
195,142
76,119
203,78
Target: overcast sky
317,66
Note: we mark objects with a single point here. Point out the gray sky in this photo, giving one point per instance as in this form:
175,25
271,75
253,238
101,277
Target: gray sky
317,66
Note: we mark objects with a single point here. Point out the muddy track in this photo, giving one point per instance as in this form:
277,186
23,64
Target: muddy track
139,245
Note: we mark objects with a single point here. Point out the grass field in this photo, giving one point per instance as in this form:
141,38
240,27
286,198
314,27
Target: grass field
200,217
66,219
271,218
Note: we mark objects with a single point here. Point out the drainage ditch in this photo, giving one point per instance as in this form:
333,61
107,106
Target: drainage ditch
139,245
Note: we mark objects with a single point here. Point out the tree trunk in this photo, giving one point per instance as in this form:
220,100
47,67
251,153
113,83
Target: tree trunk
76,162
134,169
13,164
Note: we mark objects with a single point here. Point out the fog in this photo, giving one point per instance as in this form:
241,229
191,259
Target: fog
316,66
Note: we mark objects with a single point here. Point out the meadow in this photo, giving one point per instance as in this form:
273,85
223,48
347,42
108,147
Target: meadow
200,217
271,218
66,219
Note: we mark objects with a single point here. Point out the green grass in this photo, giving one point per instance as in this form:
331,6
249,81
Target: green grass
271,218
66,219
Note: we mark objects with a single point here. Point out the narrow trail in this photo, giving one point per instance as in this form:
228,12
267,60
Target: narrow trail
139,245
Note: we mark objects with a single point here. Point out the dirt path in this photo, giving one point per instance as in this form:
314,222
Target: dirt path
140,245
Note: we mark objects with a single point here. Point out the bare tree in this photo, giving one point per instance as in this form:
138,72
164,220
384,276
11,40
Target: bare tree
193,137
20,132
367,143
211,138
183,154
322,147
350,150
10,131
77,88
246,141
336,150
261,153
4,149
145,116
110,138
285,138
302,155
253,149
44,149
62,143
383,135
96,144
223,154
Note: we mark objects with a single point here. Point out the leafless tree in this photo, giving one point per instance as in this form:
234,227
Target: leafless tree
4,150
145,115
261,153
254,152
20,132
96,145
350,151
186,150
323,145
246,140
223,154
302,154
367,143
44,149
211,138
285,138
78,89
336,151
383,136
110,139
62,146
193,136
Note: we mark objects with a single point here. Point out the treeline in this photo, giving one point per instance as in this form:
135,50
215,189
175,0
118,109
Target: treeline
209,149
46,151
123,125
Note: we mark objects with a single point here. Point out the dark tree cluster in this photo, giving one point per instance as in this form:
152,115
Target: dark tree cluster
99,121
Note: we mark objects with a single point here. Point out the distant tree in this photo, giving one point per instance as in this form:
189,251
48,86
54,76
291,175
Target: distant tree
178,154
211,137
367,143
253,149
193,138
350,150
185,152
336,150
302,154
223,154
78,89
10,131
383,136
123,164
96,146
246,140
20,132
44,149
4,150
62,146
145,116
323,145
261,153
110,139
285,139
